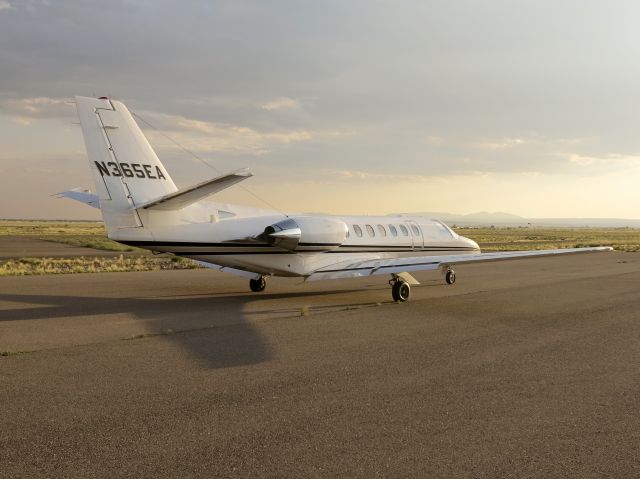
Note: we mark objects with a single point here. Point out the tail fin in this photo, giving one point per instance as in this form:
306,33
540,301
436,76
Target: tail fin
126,171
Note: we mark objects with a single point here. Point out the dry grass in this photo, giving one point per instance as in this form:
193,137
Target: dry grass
13,353
93,241
86,234
40,266
513,239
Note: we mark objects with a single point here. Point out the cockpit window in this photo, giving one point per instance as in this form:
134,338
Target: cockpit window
437,230
393,230
370,230
444,227
405,231
382,231
358,231
416,231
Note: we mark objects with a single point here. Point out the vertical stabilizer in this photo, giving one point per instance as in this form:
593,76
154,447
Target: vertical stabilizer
126,170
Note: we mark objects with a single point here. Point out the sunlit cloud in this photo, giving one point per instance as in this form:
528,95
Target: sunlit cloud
531,141
310,92
205,136
369,176
501,144
435,140
395,179
28,5
282,103
608,161
24,110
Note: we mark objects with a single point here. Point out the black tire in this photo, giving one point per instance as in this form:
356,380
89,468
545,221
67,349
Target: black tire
450,277
257,285
400,291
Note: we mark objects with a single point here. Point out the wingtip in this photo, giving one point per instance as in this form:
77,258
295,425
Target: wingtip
246,171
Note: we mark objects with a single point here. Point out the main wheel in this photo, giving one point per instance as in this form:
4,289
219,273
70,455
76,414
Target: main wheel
450,277
400,291
257,285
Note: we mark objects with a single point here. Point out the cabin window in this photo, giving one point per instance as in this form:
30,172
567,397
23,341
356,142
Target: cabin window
358,231
382,231
405,231
370,230
393,230
416,231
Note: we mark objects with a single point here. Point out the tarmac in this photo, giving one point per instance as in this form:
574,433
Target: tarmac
521,369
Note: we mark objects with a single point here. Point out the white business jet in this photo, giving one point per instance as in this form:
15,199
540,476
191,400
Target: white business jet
142,207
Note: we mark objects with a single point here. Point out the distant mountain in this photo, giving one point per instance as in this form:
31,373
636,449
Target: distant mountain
484,218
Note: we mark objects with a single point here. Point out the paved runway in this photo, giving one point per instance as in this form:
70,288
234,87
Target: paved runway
522,369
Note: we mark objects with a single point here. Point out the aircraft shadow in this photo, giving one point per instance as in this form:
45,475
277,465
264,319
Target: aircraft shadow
224,337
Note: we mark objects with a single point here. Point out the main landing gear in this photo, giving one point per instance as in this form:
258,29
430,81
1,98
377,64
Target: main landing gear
401,284
400,290
450,276
258,285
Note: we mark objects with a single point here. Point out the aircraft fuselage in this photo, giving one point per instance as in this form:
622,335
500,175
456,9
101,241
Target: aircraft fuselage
235,243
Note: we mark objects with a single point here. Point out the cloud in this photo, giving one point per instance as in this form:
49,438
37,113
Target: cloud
435,140
25,110
462,88
501,144
282,103
609,161
530,140
30,6
206,136
355,175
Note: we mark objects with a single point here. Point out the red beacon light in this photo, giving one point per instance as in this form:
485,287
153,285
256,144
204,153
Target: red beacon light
103,98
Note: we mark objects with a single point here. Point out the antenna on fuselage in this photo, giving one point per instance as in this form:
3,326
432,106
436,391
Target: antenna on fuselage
189,152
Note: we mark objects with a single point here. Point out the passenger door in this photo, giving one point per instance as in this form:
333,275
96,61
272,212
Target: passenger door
417,241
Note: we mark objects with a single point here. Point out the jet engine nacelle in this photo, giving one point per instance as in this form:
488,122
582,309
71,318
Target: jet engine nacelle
307,233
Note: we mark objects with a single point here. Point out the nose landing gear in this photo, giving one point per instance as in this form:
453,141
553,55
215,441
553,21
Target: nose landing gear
258,285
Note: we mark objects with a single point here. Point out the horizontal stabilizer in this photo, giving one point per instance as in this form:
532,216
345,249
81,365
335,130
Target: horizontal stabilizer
82,195
187,196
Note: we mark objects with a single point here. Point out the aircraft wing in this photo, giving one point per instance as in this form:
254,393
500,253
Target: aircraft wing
226,269
375,265
186,196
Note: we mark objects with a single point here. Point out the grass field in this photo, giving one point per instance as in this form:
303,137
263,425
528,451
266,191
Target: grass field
513,239
86,234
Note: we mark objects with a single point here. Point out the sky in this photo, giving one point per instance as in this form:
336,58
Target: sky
354,107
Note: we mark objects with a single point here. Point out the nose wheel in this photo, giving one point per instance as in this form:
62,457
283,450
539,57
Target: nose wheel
400,290
257,285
